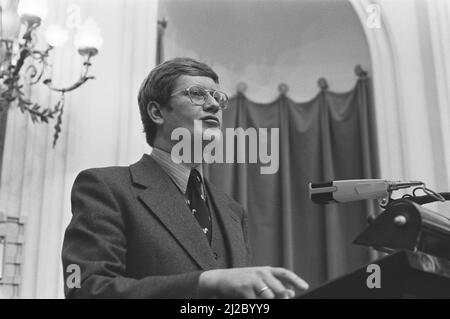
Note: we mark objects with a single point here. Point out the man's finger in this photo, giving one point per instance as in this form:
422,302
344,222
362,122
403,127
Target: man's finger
277,287
288,276
264,293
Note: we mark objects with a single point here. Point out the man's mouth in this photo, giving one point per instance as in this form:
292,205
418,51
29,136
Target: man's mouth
211,120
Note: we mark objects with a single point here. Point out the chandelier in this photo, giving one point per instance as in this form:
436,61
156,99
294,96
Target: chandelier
23,65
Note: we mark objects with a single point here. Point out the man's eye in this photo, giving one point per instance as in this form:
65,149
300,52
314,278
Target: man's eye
197,92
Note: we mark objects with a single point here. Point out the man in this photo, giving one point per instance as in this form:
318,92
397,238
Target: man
158,229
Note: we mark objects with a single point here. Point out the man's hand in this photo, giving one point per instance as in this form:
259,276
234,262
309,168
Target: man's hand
250,282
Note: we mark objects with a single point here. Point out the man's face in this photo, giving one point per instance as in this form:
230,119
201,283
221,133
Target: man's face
181,112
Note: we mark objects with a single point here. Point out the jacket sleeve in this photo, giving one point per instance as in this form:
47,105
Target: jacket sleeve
95,243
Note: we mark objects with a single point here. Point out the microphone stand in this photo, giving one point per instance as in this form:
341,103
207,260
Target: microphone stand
425,199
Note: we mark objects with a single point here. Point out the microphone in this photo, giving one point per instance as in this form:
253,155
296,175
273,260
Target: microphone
355,189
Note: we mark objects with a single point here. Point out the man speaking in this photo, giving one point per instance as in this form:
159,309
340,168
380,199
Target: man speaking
158,228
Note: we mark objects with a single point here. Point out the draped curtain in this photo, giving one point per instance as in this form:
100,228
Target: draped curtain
330,137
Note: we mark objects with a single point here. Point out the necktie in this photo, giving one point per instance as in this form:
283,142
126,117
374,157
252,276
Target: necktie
197,202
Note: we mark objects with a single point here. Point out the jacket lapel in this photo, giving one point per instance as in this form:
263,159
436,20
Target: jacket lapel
164,200
233,232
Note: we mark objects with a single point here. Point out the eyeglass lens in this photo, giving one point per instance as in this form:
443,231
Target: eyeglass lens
199,96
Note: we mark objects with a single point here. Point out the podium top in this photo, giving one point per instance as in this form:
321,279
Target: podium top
404,274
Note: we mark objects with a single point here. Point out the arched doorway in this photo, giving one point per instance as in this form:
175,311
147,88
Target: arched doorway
265,43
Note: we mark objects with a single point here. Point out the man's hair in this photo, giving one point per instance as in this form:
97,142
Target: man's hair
159,84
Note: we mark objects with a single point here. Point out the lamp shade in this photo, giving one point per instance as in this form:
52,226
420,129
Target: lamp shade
56,36
89,37
35,8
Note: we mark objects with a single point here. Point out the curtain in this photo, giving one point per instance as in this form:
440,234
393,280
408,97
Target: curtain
328,138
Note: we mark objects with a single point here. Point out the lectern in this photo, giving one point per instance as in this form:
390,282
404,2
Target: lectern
418,265
403,274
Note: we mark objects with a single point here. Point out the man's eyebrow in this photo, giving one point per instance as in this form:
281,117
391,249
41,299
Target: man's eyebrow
202,85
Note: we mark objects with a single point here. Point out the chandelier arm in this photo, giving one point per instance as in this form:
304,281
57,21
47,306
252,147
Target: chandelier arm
41,58
42,55
22,57
33,74
26,49
74,86
83,78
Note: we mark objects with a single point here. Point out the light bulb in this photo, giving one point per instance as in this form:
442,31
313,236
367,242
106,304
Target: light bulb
56,36
89,36
34,8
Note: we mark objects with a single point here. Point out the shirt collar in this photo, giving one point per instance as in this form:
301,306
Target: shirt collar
179,173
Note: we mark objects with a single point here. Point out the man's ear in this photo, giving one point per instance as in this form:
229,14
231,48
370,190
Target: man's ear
154,112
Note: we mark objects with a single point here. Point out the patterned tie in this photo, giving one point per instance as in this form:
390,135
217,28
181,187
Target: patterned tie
197,202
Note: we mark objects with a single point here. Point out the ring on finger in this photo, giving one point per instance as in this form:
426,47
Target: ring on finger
260,291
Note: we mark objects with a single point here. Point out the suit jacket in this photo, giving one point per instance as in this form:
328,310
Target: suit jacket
133,236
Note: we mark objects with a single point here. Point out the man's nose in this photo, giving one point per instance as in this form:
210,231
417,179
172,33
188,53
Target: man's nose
211,105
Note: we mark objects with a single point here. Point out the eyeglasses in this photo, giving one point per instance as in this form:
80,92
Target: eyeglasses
199,96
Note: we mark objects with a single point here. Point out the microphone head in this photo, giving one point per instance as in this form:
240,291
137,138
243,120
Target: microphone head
322,193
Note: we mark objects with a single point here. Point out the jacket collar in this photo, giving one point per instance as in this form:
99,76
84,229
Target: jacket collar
163,198
178,172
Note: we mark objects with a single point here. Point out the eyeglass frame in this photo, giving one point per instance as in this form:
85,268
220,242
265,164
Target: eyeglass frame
210,93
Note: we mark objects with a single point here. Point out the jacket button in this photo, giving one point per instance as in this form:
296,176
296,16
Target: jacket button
215,255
